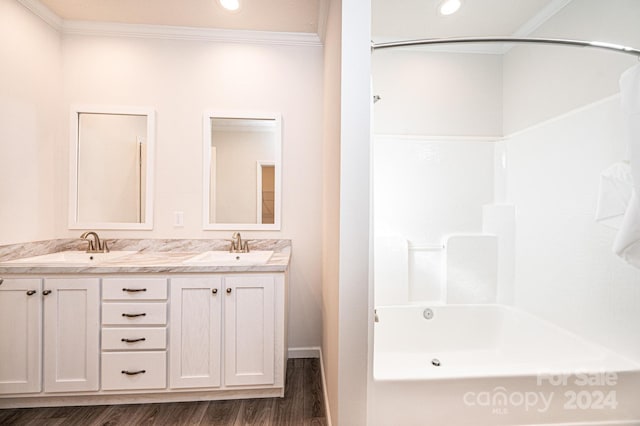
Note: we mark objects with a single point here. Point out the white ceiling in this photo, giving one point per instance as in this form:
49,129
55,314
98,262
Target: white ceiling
391,19
261,15
413,19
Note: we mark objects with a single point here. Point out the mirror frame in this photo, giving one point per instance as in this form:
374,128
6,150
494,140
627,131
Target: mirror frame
206,171
76,110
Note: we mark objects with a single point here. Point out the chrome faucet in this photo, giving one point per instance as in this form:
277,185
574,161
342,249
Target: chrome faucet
237,246
95,245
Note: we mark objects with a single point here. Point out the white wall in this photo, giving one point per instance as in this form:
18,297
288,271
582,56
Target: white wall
566,271
541,82
433,158
331,203
29,124
355,295
42,76
437,94
424,190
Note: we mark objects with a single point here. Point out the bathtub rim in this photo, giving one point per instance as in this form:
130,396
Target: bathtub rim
631,366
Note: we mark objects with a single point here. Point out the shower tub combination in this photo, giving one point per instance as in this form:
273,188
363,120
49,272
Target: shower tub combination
494,365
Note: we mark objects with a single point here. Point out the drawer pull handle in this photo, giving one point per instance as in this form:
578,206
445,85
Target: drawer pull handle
133,290
46,292
133,373
134,315
140,339
31,292
214,291
228,291
1,281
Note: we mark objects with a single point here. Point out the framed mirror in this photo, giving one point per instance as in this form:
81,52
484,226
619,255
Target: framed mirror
242,171
111,168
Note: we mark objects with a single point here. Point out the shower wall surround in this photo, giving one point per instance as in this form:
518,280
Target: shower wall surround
425,190
565,268
561,129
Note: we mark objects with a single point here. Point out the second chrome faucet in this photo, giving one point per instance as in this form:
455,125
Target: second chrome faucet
237,245
95,245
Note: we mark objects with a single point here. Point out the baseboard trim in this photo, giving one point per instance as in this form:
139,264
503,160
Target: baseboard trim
305,352
314,352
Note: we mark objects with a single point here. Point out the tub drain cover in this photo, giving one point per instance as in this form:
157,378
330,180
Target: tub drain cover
435,362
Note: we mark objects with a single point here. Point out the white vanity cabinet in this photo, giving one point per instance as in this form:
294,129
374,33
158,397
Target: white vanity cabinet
134,330
249,329
71,334
196,311
93,339
20,335
248,311
55,322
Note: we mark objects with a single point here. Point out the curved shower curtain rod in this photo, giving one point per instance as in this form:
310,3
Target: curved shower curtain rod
577,43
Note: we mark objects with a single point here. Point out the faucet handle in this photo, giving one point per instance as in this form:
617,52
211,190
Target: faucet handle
105,246
245,246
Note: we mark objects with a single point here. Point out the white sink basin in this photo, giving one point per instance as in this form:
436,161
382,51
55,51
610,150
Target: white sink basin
224,258
64,258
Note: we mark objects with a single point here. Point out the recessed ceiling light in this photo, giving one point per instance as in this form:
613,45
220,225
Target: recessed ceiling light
449,7
230,4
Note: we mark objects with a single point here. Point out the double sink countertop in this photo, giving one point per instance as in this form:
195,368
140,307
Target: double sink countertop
144,256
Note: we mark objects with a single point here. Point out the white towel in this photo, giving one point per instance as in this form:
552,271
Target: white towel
627,243
616,186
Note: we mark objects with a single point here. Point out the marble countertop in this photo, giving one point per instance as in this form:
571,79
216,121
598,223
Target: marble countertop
151,258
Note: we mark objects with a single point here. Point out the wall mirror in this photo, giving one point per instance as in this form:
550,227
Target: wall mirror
111,168
242,171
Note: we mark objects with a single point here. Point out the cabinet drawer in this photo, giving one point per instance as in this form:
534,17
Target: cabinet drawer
134,289
140,338
134,313
147,370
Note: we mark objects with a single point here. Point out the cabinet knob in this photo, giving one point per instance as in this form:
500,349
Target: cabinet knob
46,292
31,292
214,291
228,291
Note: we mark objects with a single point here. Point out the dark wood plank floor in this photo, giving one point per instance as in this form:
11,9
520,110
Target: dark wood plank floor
302,405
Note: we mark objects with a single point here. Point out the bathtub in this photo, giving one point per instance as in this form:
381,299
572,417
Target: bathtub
494,365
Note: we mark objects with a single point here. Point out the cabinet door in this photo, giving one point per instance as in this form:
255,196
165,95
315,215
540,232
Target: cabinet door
20,335
71,334
249,324
194,350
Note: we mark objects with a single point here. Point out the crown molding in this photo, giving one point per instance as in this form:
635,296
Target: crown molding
541,17
114,29
323,16
44,13
546,13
